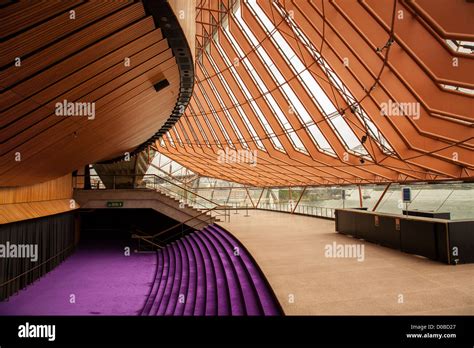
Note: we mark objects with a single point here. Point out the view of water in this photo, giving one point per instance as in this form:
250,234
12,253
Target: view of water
459,202
456,198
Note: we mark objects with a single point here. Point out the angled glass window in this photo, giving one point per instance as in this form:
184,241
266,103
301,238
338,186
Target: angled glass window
193,133
170,139
214,114
293,101
458,89
236,105
465,47
186,137
208,123
201,130
339,125
256,109
223,107
461,46
290,132
177,137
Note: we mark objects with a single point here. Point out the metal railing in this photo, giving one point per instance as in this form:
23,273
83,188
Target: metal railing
183,195
311,210
156,240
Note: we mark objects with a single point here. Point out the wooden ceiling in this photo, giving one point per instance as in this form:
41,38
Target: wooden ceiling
109,53
404,52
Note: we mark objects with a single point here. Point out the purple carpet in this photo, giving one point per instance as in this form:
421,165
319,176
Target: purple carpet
103,280
208,272
204,274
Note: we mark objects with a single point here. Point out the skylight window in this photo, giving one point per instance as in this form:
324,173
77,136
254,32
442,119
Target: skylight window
218,121
295,140
224,108
186,137
208,123
458,89
293,101
461,46
466,47
170,139
320,98
235,103
269,131
201,130
177,137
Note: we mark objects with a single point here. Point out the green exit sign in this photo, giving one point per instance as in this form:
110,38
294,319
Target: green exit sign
114,204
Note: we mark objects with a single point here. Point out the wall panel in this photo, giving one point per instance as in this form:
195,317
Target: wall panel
34,201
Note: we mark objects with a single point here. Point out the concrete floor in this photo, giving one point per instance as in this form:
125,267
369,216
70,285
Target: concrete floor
290,249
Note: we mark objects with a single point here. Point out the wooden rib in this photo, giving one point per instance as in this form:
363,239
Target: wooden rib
76,43
27,13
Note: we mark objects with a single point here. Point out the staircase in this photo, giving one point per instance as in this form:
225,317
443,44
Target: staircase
209,273
163,203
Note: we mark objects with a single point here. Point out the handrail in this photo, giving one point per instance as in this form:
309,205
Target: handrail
148,237
180,196
328,211
155,177
160,188
152,243
183,188
182,231
177,225
168,174
37,266
143,237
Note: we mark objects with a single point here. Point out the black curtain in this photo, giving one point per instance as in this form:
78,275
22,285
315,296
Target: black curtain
54,236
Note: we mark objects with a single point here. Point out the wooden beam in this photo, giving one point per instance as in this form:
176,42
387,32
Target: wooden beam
380,198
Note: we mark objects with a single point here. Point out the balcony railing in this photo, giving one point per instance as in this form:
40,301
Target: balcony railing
324,212
189,196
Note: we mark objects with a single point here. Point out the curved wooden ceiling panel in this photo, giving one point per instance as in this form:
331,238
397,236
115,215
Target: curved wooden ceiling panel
103,55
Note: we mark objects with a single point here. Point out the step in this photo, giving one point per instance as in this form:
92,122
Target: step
211,286
193,278
156,282
222,288
169,281
178,274
203,268
163,280
237,299
250,293
267,298
184,284
201,292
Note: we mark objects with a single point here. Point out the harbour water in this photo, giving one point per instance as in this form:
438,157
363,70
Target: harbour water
457,200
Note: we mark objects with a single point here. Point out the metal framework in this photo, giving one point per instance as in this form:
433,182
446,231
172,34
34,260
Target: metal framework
330,93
